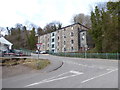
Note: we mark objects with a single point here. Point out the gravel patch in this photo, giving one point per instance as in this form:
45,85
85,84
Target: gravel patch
10,71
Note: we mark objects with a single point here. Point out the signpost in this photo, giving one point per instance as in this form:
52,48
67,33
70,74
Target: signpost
85,51
38,48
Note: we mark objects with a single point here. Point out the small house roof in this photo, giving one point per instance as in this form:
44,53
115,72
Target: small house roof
4,41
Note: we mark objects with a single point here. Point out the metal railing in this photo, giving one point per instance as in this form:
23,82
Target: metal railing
90,55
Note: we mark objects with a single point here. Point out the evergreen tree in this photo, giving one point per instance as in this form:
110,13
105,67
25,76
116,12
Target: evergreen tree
32,39
105,27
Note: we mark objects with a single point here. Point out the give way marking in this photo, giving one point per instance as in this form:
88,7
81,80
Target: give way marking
59,77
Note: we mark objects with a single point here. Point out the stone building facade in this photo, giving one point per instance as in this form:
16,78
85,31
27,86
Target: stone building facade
71,38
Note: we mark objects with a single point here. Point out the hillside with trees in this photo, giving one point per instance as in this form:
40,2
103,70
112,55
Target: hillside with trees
21,37
50,27
105,27
104,24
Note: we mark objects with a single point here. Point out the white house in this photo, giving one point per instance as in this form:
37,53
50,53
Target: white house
5,44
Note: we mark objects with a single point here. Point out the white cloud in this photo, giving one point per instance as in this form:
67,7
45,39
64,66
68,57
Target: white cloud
42,12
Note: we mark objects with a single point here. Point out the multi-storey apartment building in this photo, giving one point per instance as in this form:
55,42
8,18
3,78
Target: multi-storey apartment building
71,38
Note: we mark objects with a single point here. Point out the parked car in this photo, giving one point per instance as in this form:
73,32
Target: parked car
9,52
1,53
37,52
44,52
18,53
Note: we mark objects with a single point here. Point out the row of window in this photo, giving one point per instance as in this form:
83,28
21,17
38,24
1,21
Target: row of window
72,41
58,36
71,28
65,49
53,46
71,49
65,29
72,34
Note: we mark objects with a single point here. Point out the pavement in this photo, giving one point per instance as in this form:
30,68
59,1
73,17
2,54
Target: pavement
54,65
68,72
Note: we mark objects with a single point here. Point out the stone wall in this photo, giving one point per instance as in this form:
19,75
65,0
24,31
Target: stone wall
67,39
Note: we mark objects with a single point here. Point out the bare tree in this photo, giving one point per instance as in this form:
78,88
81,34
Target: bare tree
52,26
83,19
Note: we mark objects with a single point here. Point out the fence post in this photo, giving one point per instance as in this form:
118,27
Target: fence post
90,55
106,56
97,55
117,56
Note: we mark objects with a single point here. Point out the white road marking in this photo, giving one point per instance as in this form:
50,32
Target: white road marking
98,76
92,66
110,69
75,73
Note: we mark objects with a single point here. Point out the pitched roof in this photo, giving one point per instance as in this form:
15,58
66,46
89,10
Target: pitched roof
74,24
4,41
66,27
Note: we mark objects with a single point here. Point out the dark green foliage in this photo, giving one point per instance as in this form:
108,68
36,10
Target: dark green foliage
32,40
22,38
27,39
105,27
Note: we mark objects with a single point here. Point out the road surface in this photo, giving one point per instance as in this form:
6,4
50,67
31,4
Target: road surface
74,73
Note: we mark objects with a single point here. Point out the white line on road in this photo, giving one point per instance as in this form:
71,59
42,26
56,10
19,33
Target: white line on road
98,76
75,73
89,66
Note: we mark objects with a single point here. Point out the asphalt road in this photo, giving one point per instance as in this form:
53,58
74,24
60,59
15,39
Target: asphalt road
74,73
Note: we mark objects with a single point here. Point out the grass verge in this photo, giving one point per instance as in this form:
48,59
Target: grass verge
37,64
33,63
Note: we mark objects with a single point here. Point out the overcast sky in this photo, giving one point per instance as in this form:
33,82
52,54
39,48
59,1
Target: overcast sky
41,12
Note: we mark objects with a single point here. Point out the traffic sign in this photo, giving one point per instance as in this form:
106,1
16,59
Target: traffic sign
38,45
